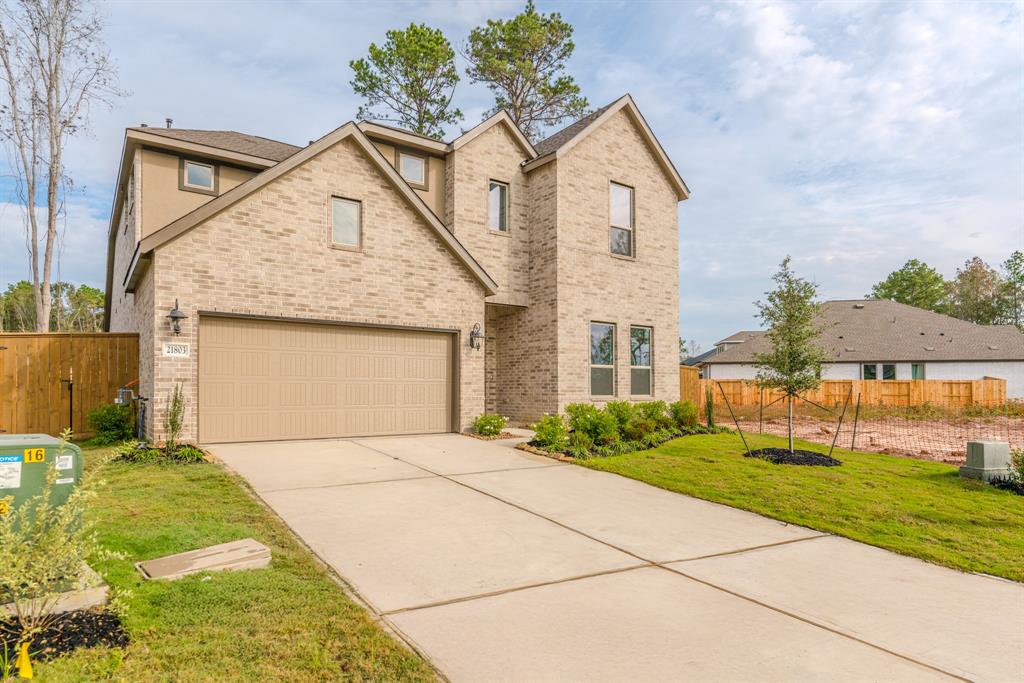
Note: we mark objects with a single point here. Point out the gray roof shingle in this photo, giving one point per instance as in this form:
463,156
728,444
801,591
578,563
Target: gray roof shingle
228,140
883,330
553,142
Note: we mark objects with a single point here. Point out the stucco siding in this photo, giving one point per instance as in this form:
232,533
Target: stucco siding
271,255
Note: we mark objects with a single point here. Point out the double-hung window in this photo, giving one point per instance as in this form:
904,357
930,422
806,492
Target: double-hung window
497,206
621,218
917,371
870,371
602,359
640,361
346,222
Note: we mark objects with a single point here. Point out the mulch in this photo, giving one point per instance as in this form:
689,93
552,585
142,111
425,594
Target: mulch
1014,485
782,456
497,437
68,632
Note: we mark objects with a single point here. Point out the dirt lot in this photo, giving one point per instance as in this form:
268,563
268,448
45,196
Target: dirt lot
939,440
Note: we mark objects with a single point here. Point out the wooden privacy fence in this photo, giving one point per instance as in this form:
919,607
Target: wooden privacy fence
51,381
989,391
689,384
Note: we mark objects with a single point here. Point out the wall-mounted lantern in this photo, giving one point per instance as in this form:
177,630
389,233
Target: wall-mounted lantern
476,336
176,316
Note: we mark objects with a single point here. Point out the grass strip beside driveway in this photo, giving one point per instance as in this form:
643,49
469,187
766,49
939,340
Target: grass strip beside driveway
289,622
917,508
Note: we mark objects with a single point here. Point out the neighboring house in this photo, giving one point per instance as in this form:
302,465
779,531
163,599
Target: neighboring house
380,282
882,339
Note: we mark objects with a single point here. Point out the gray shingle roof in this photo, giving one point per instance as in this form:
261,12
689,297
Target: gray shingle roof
882,330
553,142
228,140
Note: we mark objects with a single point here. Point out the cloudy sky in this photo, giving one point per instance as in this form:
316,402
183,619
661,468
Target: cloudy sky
853,136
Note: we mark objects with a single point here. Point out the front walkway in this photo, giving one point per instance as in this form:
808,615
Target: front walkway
500,565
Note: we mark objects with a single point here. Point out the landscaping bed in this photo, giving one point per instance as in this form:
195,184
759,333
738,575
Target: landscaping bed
914,507
782,456
290,621
67,633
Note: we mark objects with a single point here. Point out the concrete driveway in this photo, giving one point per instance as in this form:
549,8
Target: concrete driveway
503,566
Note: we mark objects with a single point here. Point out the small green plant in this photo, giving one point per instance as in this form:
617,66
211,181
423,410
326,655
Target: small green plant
551,433
1017,464
580,445
141,452
489,424
43,548
111,423
709,406
173,419
601,427
656,412
684,414
639,428
622,411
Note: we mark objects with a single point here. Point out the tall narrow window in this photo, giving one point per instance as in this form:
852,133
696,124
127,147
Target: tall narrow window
347,222
917,370
497,212
888,371
621,213
602,359
640,361
869,372
413,168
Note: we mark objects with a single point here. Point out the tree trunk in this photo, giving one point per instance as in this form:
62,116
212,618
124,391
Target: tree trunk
790,402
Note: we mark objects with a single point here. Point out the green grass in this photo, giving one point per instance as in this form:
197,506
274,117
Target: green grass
289,622
913,507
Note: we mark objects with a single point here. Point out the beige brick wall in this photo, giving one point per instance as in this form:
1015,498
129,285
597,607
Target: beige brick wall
493,155
270,255
593,285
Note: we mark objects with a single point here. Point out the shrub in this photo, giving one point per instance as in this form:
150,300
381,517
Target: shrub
622,411
580,445
684,414
43,548
656,412
173,418
597,424
111,423
489,424
639,428
709,406
141,452
1017,464
551,433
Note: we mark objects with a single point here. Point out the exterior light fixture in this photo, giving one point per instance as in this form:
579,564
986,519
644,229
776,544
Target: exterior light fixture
476,336
176,316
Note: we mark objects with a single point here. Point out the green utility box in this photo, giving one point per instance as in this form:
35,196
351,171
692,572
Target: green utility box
24,461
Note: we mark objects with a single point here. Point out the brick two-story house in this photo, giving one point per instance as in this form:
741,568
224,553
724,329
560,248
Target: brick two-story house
380,282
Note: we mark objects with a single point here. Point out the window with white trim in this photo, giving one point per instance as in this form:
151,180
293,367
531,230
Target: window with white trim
602,359
497,206
347,222
640,361
620,210
198,176
413,168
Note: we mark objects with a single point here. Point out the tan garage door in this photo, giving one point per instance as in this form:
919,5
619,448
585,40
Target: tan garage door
263,380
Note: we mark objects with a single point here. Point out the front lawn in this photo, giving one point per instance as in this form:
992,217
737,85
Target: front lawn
913,507
289,622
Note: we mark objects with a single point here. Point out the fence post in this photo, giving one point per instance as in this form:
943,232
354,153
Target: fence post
760,412
856,418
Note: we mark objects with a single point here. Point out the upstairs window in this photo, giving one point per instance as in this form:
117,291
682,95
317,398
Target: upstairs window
197,176
497,212
621,213
413,168
640,361
602,359
347,219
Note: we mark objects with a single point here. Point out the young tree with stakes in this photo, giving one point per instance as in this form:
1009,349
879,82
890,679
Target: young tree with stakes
54,67
791,314
522,60
413,75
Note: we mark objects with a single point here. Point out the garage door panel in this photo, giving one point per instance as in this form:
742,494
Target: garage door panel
267,380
